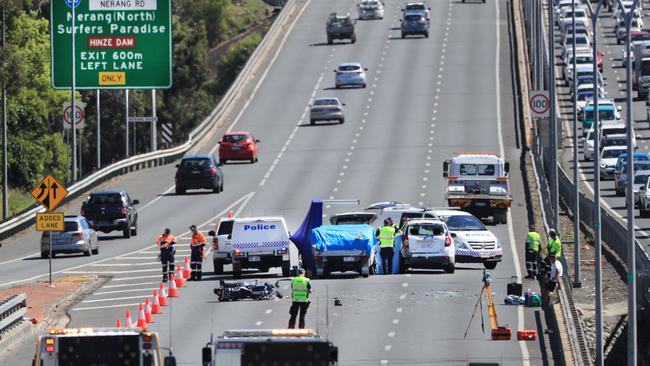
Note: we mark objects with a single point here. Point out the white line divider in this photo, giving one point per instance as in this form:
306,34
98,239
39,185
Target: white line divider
148,290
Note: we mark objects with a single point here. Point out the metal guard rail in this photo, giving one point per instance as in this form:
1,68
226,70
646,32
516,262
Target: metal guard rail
12,311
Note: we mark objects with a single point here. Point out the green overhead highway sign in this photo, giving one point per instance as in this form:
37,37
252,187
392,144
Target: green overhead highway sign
119,44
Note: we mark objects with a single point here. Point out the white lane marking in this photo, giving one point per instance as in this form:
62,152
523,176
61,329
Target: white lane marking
135,258
258,323
384,362
35,254
106,307
132,278
112,299
406,284
244,198
520,311
113,272
268,311
131,284
148,290
124,264
388,347
168,190
395,321
391,334
399,310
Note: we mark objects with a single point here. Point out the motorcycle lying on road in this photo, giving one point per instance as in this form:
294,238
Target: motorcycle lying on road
241,290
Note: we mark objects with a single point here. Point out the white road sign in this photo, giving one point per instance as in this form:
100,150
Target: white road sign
79,114
540,104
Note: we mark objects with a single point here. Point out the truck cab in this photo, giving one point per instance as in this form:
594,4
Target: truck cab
99,346
270,347
477,182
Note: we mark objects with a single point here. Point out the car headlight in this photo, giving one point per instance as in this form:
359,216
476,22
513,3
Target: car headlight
498,245
461,244
603,165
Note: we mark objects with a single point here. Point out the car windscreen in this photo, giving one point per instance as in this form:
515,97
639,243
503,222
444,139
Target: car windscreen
613,153
477,169
463,223
613,131
603,115
235,138
196,163
105,199
615,142
70,226
349,68
325,102
583,59
640,179
585,94
413,18
413,215
643,165
415,7
426,229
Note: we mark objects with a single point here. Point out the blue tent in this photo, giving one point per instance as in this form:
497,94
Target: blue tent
302,237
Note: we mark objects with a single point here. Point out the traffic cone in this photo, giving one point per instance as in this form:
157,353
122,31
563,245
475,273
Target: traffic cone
142,322
180,282
163,295
128,323
148,316
173,290
187,272
155,307
118,324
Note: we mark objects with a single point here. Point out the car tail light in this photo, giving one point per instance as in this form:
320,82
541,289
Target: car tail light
448,241
282,251
123,210
49,345
238,252
405,242
213,170
215,243
78,234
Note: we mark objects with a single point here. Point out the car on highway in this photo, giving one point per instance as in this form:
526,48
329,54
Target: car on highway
326,109
582,44
582,58
399,213
199,172
617,139
427,243
620,30
238,146
77,237
353,218
414,24
585,75
605,113
620,181
608,157
634,37
417,7
581,28
474,242
607,102
563,5
627,6
588,145
111,210
370,9
350,74
622,159
340,27
584,94
640,180
566,16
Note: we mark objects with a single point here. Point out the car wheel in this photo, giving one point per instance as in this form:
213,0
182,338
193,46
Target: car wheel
402,265
215,189
312,121
353,39
87,253
134,229
221,186
618,41
490,265
96,250
329,40
253,160
256,159
126,233
222,161
218,266
180,190
450,268
44,255
426,35
363,85
403,35
341,120
286,269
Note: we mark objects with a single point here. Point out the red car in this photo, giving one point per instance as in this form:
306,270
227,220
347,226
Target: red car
238,146
599,57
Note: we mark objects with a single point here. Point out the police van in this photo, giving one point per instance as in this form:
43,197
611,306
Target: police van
260,243
99,346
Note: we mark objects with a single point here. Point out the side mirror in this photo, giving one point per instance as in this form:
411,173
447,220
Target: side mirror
642,188
219,164
206,355
136,202
212,233
445,174
445,166
365,69
177,165
342,103
170,361
453,235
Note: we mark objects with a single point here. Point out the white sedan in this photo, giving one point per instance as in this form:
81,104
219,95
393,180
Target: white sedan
370,9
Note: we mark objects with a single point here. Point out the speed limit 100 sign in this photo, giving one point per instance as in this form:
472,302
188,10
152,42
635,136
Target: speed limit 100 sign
540,104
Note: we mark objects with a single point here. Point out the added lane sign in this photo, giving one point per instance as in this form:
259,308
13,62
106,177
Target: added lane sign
119,44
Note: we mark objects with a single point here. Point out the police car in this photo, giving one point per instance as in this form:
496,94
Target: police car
474,243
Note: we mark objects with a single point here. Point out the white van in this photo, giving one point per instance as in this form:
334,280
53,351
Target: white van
259,242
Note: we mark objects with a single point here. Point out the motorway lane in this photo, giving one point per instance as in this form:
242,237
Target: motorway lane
310,166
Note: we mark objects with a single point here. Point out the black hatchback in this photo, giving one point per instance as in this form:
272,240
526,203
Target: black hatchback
199,171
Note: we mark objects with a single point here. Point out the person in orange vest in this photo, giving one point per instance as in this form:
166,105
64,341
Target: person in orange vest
196,261
165,242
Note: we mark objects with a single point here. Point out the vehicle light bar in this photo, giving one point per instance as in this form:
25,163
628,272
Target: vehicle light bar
270,333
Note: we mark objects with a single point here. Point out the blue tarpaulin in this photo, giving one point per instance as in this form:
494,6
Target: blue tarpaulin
344,237
302,237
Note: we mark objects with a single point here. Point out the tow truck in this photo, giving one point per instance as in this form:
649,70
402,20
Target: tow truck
477,182
270,347
99,346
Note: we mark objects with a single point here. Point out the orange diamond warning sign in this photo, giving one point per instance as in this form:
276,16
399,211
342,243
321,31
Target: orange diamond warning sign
49,192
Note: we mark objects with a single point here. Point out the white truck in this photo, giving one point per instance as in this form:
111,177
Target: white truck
641,68
269,347
259,242
99,346
477,182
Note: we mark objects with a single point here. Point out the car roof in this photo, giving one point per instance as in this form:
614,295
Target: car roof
107,192
624,155
236,133
615,147
428,220
446,212
197,156
326,98
350,64
73,218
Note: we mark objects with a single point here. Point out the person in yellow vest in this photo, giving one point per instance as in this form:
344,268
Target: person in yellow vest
386,236
300,290
532,251
554,244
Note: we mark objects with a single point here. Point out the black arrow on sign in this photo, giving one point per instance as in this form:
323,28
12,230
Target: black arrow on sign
54,187
43,188
45,201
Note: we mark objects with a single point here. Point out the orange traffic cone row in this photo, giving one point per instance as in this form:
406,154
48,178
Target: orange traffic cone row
155,307
148,317
128,323
142,322
180,282
187,272
173,290
162,297
118,324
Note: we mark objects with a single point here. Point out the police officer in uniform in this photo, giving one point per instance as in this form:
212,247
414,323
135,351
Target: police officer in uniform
532,251
196,261
554,244
166,243
300,290
386,236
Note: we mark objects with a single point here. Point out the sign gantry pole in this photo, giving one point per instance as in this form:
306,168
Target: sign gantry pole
73,81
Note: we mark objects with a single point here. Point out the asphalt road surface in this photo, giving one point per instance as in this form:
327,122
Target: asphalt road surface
425,99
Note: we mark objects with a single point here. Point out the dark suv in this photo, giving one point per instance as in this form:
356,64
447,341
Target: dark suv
108,211
199,171
415,23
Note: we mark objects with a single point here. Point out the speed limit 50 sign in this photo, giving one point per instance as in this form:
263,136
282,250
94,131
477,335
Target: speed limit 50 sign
540,104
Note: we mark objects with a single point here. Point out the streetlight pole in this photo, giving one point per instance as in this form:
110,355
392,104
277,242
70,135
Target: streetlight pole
631,255
555,201
5,179
73,108
597,216
576,183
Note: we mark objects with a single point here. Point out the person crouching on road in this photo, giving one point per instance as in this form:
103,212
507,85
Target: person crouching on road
300,290
556,275
166,243
196,261
532,251
386,236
